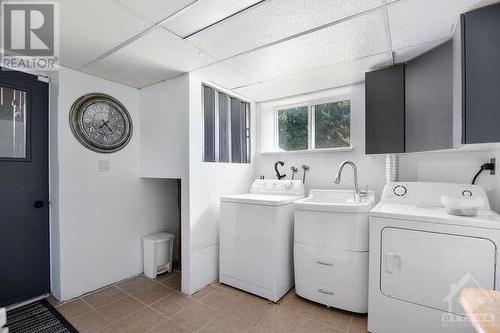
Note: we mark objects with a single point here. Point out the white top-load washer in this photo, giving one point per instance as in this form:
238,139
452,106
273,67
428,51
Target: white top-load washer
256,238
421,257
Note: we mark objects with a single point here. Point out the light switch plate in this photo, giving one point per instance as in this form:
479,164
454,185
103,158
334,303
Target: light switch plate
104,166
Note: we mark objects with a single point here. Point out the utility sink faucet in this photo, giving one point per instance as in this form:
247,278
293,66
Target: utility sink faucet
358,194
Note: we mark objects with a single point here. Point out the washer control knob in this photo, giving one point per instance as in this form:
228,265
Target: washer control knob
467,193
289,185
399,190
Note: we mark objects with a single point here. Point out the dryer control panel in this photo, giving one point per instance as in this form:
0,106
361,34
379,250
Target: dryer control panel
278,187
429,194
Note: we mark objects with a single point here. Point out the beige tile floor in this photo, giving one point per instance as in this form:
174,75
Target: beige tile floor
144,305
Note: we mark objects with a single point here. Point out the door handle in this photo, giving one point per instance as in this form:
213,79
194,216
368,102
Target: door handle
326,292
324,263
38,204
392,262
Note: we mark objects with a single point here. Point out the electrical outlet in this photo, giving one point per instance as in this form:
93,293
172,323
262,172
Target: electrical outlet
493,161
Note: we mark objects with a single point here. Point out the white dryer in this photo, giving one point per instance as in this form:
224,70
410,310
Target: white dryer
256,238
421,257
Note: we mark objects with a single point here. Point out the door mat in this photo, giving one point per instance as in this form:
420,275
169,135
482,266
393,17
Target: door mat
38,317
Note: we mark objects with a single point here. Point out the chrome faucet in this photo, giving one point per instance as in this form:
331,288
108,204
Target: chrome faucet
358,194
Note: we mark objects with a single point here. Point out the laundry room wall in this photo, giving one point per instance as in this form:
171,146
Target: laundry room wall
101,215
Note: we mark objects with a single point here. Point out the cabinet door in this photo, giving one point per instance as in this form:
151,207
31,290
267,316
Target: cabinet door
482,75
429,100
385,94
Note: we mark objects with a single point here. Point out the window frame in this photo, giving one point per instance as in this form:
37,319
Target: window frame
247,132
311,124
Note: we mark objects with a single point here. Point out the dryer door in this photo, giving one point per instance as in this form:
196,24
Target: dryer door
430,269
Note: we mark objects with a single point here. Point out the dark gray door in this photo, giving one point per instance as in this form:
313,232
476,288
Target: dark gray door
24,188
429,100
482,75
385,110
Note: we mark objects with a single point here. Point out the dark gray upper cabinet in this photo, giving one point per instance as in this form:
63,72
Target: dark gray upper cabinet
429,100
385,103
480,77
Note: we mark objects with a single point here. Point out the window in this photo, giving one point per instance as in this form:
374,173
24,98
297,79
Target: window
226,128
13,124
314,126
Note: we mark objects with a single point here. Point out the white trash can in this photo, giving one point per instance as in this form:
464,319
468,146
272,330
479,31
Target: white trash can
157,251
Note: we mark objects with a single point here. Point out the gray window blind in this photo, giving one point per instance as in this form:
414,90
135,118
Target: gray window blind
209,125
227,128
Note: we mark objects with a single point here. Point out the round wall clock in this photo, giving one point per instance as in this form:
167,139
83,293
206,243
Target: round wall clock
100,123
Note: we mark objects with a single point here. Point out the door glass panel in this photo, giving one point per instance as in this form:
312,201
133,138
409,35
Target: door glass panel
12,123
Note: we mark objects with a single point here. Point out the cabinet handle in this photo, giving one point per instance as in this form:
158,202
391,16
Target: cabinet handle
324,263
326,292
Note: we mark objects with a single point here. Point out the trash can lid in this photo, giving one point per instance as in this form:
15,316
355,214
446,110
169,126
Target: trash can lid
158,237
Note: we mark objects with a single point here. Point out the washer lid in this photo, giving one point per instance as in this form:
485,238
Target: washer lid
261,199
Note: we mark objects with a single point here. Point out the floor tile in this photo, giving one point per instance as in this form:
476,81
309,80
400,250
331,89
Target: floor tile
200,294
280,319
166,276
53,301
90,322
169,327
359,324
173,282
312,326
104,296
140,321
152,294
135,284
196,316
172,305
74,309
222,299
337,319
226,323
119,309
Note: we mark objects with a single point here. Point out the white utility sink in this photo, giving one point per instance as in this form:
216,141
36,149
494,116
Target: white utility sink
341,201
331,248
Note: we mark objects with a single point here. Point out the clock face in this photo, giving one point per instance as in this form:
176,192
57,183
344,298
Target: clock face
100,123
103,124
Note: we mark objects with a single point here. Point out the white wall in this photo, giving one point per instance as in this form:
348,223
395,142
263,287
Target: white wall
209,181
444,166
102,215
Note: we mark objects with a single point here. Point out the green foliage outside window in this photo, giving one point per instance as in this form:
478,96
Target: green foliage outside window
292,128
332,122
333,125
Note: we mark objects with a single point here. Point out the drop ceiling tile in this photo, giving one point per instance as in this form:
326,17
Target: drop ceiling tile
411,52
223,76
418,21
90,28
359,37
204,13
272,21
156,10
156,56
323,78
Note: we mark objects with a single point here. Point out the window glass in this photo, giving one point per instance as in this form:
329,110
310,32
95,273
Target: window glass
293,128
13,120
332,124
226,126
209,123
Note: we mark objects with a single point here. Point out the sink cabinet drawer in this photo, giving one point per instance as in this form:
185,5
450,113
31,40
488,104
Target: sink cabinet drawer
332,230
335,278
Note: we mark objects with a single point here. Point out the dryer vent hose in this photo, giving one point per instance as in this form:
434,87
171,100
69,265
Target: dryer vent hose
391,168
